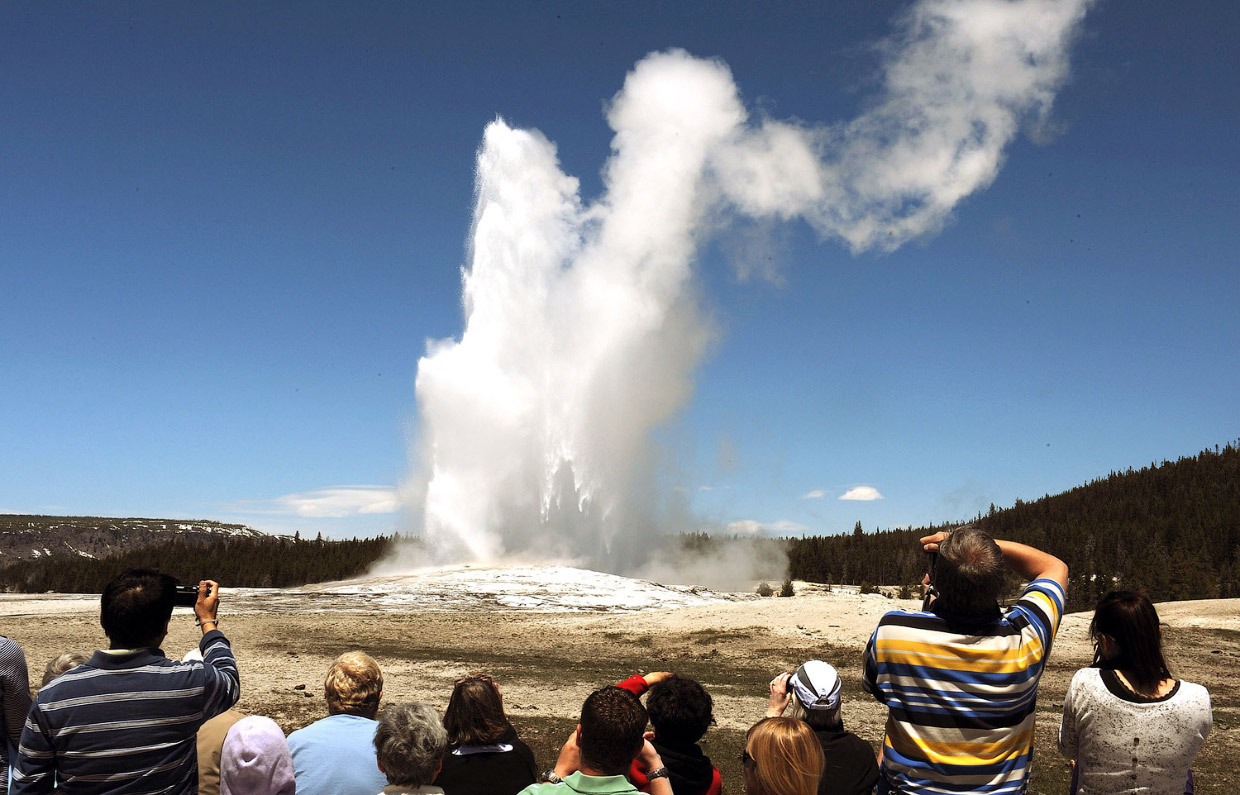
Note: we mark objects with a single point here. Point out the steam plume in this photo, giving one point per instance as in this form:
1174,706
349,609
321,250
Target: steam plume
582,329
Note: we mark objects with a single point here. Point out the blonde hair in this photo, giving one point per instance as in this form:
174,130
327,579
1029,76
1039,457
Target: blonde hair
63,664
353,685
787,757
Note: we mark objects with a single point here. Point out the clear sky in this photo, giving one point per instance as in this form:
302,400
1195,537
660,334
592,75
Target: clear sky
228,230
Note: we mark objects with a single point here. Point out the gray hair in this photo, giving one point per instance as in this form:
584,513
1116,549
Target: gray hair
970,572
817,719
409,742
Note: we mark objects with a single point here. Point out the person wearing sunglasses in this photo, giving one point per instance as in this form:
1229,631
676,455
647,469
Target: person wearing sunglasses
485,756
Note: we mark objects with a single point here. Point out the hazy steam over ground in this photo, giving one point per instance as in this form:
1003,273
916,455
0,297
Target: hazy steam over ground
582,326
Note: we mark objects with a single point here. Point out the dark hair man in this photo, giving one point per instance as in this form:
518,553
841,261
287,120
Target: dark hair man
960,678
126,720
680,712
598,754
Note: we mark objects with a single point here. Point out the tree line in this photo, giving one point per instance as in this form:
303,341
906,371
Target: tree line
1169,530
263,562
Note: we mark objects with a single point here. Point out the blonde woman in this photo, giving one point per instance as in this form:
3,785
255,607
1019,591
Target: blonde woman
782,757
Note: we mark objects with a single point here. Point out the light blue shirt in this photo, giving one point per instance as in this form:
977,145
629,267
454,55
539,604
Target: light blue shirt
336,756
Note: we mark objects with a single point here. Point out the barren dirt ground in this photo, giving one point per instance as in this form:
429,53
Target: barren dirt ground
546,663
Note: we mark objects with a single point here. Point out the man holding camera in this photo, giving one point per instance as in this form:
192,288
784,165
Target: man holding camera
125,721
960,677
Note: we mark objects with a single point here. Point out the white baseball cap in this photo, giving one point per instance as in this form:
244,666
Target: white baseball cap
816,685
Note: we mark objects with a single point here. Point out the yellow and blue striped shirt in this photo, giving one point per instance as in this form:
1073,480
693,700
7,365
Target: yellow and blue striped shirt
961,700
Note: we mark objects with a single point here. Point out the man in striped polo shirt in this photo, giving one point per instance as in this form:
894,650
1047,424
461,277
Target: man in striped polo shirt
960,677
125,721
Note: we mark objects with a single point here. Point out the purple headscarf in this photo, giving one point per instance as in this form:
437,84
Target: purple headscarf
255,759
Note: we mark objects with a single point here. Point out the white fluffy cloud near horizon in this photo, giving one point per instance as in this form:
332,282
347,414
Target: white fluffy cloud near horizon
332,502
816,494
862,494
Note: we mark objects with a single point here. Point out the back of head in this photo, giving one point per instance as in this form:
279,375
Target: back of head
136,606
475,714
409,743
613,723
255,759
816,690
1131,622
62,664
787,758
353,685
680,711
969,573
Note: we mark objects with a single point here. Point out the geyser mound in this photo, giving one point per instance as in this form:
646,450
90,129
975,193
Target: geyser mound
531,588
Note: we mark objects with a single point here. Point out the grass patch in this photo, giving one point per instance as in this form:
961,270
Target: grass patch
707,637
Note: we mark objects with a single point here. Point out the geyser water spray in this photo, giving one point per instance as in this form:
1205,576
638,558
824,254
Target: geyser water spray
582,329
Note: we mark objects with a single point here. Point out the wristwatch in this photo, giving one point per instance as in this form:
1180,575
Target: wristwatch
549,777
658,772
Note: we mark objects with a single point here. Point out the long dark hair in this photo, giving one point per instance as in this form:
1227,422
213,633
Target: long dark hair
1131,622
475,714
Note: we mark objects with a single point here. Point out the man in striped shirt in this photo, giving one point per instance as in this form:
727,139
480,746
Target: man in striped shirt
960,677
125,721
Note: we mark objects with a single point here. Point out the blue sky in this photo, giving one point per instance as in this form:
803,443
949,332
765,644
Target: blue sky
228,231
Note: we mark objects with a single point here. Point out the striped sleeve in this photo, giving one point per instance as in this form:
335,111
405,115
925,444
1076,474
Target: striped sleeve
34,771
223,684
1042,604
15,694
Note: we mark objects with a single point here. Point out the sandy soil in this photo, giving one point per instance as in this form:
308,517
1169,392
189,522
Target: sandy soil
548,662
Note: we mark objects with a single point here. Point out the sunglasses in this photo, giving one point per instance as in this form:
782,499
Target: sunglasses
745,758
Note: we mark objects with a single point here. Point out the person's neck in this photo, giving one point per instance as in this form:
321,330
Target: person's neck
1161,688
358,714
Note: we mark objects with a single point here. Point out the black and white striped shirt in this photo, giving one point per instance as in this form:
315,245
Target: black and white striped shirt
125,723
14,701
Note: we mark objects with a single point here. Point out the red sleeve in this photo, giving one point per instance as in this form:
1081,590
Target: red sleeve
637,775
635,684
716,783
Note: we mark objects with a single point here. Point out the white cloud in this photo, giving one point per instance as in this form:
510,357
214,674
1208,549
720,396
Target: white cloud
751,527
816,494
862,493
332,502
706,488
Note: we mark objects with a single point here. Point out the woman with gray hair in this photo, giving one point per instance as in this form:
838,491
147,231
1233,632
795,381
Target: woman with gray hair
814,694
409,746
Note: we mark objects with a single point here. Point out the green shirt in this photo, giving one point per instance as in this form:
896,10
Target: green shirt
587,785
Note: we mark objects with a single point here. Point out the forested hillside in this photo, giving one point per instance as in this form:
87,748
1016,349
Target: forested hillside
263,561
1170,530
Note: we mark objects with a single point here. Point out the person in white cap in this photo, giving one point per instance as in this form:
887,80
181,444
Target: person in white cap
813,694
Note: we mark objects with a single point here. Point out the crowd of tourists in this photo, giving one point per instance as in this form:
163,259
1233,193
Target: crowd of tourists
959,680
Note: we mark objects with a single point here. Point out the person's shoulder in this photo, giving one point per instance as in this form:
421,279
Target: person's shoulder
1086,678
902,616
1194,691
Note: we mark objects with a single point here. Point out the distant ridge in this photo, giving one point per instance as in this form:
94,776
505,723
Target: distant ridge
33,536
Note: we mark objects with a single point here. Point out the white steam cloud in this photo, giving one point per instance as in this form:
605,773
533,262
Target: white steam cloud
582,327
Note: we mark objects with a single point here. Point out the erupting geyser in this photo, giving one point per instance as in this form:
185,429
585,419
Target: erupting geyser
582,328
